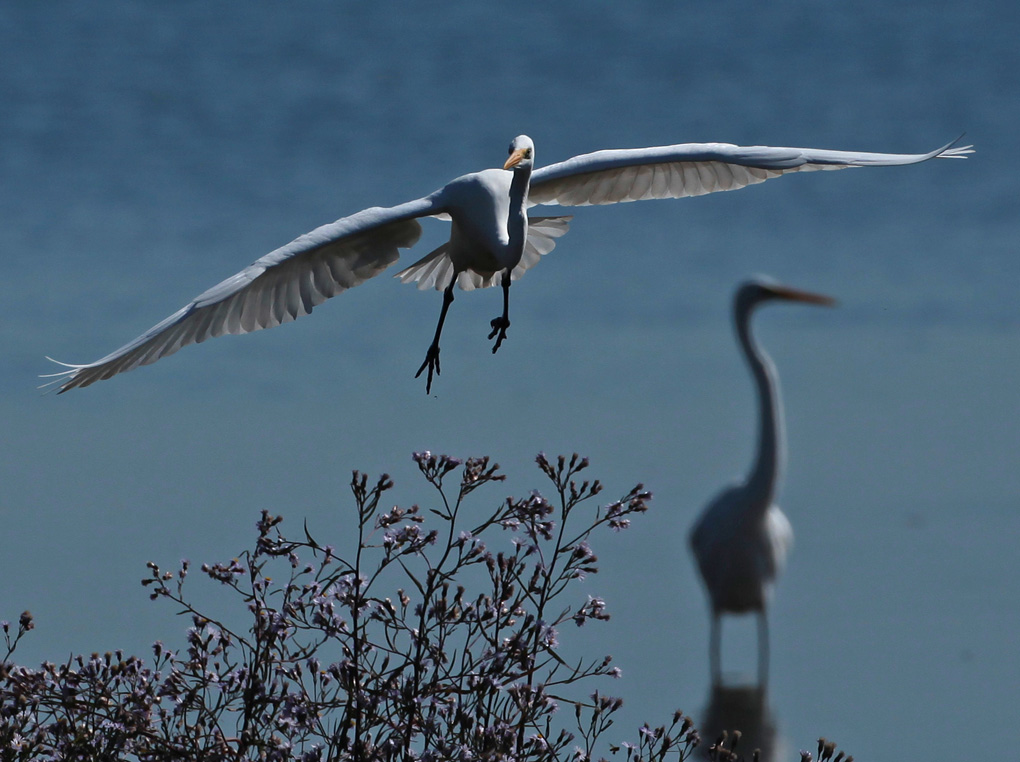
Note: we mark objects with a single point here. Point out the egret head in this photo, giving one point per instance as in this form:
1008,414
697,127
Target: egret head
522,153
753,292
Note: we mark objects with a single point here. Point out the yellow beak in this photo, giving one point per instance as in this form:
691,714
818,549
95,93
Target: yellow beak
515,158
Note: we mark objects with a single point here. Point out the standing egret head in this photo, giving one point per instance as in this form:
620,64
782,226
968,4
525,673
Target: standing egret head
522,153
761,289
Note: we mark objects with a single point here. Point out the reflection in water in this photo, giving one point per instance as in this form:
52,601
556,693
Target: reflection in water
744,708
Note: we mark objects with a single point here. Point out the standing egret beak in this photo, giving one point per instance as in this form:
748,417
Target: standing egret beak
516,158
796,295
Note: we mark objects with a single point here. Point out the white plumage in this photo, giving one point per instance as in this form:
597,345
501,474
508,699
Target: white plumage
491,241
741,540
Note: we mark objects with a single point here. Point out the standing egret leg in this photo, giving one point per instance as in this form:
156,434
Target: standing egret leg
713,649
500,324
763,648
432,356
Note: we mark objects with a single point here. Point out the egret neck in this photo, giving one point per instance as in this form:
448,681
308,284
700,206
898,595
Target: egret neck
517,219
766,472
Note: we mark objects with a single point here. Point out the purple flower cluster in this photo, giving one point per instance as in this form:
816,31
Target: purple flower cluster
425,644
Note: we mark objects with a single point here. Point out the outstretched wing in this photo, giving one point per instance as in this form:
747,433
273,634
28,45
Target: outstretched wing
281,286
693,169
435,270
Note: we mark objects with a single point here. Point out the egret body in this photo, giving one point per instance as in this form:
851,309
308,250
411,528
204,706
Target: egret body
741,540
492,240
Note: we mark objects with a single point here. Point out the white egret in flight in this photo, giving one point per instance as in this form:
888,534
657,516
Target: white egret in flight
741,539
492,238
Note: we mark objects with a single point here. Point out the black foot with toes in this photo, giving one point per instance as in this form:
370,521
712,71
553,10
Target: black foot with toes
499,326
432,363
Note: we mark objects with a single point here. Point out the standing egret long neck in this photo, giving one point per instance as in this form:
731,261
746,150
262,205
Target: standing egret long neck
767,470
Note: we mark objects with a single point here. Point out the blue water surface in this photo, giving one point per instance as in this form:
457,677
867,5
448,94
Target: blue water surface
149,150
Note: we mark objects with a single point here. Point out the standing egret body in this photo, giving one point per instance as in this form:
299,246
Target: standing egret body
492,238
741,539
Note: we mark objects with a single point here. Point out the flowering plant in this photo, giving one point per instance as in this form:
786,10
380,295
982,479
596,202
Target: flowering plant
427,643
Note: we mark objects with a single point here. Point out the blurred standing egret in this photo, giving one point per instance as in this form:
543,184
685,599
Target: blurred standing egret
741,540
492,240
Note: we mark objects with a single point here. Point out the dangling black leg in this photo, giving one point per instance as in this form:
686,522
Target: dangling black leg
500,324
432,356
